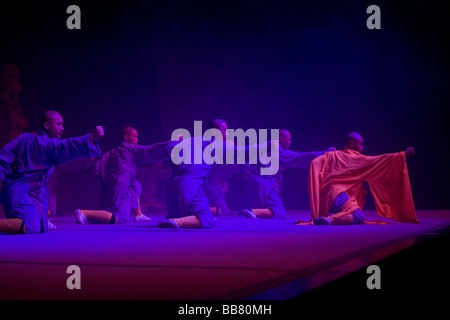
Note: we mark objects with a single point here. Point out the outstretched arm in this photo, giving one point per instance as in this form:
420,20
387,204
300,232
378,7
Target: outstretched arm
58,151
292,159
156,152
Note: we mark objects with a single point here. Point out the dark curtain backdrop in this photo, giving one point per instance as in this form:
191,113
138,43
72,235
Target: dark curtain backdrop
311,67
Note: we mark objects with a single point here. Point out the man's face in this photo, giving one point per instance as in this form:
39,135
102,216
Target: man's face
357,144
285,140
55,126
223,129
132,137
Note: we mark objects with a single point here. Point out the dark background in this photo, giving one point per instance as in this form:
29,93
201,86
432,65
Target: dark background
311,67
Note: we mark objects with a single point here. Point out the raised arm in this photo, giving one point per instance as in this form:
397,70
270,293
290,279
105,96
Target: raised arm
292,159
152,153
60,151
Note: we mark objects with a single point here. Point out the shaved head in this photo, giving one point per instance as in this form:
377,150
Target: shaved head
128,130
216,123
355,141
48,115
220,125
130,135
285,139
284,133
52,122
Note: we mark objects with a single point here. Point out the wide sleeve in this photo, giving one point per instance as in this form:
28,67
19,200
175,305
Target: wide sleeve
152,153
239,155
315,182
292,159
391,188
7,157
58,151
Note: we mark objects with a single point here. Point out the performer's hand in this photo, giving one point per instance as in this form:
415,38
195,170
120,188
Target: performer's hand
97,133
332,149
276,144
410,152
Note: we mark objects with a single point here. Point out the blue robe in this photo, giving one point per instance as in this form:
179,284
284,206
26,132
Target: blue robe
217,182
117,169
186,190
26,164
264,191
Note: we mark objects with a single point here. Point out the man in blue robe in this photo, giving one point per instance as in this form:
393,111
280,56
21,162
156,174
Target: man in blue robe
117,169
217,182
26,164
187,204
263,192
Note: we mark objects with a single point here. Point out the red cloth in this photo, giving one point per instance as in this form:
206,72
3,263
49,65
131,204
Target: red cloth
345,171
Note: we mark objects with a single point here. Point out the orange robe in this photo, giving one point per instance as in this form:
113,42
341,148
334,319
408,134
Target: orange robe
345,171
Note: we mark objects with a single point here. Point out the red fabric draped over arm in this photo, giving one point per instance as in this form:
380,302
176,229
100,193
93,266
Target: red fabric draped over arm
346,170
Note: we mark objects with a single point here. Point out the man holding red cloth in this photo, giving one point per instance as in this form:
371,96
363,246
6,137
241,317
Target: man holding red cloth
335,185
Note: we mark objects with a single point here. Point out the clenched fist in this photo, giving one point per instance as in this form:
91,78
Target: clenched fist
97,133
410,152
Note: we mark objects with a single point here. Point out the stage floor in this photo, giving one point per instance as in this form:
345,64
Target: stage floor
237,259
